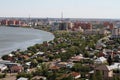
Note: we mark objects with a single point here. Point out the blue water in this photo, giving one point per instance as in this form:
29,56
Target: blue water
13,38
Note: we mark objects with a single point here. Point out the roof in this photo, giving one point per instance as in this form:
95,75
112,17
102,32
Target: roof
115,66
22,78
11,55
54,68
100,59
16,68
74,74
63,63
39,78
104,68
3,67
37,54
91,72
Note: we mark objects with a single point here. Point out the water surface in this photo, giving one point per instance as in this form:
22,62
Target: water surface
13,38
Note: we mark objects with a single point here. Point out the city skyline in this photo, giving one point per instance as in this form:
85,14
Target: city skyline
53,8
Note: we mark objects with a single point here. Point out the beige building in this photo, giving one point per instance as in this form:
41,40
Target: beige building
107,72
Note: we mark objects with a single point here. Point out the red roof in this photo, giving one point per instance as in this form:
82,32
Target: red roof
74,74
54,67
16,68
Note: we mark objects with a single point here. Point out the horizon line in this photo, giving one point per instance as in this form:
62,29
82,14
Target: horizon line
59,17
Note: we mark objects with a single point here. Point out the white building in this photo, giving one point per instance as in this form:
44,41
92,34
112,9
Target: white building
115,66
100,60
2,67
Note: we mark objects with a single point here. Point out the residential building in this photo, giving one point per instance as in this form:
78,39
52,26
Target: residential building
106,70
75,75
100,60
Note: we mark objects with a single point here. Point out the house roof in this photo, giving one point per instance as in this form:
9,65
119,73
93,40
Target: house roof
16,68
104,68
63,63
115,66
3,67
54,68
74,74
39,77
22,78
100,59
37,54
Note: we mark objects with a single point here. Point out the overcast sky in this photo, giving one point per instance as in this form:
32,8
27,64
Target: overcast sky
53,8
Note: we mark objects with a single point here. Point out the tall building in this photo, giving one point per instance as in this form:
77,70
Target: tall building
55,26
63,26
116,33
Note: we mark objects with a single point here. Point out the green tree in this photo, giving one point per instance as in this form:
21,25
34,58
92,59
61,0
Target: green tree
99,75
5,57
43,69
77,67
68,78
34,63
26,75
93,77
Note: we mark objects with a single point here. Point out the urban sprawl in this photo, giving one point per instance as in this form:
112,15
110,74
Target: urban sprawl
83,49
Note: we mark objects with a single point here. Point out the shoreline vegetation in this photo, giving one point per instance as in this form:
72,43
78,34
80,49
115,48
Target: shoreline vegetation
36,59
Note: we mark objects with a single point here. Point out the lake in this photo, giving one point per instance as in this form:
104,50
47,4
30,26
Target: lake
13,38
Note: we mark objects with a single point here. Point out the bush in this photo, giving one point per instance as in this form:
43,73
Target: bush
2,75
23,74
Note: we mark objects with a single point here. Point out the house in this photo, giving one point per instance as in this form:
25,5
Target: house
63,50
102,54
3,67
70,65
106,70
76,75
11,55
115,66
100,60
39,78
4,61
22,78
37,54
61,64
117,58
54,68
76,58
16,68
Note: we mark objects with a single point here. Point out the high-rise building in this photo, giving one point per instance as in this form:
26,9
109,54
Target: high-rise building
63,26
116,33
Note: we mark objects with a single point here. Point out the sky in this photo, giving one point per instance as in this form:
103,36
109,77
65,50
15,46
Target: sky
54,8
